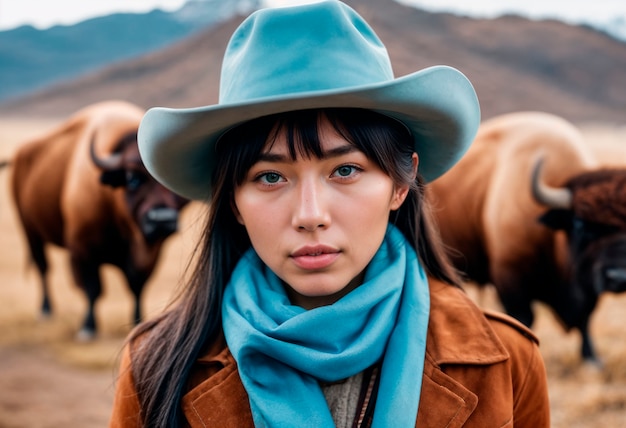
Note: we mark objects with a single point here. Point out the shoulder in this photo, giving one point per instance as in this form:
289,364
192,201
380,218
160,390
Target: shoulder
493,357
148,340
462,332
507,324
126,409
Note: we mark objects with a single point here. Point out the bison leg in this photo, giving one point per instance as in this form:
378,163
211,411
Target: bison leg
87,276
137,315
518,306
38,256
136,282
512,287
587,349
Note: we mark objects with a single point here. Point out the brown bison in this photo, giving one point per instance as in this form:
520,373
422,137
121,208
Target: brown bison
83,187
529,211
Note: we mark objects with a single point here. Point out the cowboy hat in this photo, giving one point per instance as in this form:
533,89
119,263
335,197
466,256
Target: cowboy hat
302,57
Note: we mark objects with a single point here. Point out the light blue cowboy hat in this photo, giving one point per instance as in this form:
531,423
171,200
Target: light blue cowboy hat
309,56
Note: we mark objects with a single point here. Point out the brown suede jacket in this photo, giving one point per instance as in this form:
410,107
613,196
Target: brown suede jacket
482,369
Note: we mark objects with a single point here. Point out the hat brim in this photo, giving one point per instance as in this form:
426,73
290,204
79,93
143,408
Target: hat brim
438,105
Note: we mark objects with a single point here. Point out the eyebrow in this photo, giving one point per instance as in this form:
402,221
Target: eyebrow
332,153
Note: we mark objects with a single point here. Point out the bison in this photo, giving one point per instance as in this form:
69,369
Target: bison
83,187
529,210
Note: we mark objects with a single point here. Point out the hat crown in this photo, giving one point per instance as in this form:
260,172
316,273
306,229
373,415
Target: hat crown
310,48
316,56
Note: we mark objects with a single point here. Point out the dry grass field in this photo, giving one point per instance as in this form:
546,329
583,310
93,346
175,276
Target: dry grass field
49,380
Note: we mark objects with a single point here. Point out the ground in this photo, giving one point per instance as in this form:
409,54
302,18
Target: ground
49,380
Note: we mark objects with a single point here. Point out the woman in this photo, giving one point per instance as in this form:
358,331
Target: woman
321,295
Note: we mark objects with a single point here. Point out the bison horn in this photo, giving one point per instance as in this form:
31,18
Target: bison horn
113,161
553,197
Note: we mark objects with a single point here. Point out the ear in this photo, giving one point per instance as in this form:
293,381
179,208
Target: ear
557,219
113,178
401,192
233,206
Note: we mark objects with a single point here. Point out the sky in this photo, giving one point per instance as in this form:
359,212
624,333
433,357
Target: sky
45,13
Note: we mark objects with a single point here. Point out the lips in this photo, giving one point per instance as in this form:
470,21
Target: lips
315,257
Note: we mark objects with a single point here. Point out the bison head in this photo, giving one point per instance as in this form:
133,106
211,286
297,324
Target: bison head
591,209
154,208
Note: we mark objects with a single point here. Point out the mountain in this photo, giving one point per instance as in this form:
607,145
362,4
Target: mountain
514,63
615,27
32,59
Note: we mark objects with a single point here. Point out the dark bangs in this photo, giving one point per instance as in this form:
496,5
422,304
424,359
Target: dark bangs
384,140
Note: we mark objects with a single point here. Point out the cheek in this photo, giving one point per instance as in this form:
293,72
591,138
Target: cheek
378,199
256,216
368,213
137,203
263,230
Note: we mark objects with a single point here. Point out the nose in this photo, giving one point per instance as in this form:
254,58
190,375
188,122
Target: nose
311,206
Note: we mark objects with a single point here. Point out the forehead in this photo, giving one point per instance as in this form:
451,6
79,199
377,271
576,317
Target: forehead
131,155
306,142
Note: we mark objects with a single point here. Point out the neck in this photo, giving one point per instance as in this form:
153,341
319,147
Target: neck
312,302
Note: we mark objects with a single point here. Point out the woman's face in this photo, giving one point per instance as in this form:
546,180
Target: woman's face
317,223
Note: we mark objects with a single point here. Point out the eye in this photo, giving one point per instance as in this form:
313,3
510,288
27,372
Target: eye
269,178
134,180
345,171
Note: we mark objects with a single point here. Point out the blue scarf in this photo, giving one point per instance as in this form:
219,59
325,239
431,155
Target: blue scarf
283,351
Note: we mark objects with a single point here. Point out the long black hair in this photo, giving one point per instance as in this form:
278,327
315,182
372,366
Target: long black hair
164,350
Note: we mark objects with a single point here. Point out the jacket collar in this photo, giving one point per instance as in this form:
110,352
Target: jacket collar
458,332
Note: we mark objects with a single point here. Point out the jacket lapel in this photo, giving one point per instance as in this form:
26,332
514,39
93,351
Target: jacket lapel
458,334
444,402
220,400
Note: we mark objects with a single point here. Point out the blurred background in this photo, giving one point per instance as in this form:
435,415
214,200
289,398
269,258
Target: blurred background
568,59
